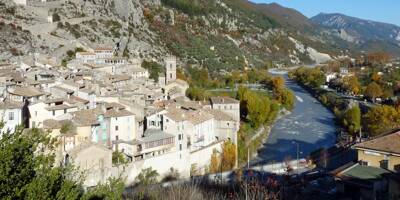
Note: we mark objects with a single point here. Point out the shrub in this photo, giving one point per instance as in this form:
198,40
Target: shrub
56,17
147,176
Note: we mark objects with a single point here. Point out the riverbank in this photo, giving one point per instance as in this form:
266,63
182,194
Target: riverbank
256,141
265,134
309,126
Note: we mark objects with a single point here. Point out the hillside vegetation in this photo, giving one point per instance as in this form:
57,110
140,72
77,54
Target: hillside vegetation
219,35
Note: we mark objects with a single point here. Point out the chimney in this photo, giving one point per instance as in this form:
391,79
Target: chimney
103,107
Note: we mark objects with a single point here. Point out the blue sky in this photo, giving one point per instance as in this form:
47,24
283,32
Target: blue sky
378,10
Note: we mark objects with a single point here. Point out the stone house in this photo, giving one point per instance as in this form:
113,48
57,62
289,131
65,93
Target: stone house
227,105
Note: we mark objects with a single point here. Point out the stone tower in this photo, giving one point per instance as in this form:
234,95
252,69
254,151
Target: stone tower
170,69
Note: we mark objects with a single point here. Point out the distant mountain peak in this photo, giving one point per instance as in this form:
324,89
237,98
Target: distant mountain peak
360,30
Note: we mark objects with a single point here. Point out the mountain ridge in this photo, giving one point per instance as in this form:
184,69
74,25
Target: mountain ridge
359,31
220,35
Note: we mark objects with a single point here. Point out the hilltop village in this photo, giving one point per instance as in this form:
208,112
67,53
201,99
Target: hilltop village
99,104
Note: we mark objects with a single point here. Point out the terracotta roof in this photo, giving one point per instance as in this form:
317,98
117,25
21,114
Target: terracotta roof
10,105
117,78
219,115
223,100
176,114
55,100
78,99
17,77
51,124
85,145
31,81
114,105
198,117
117,113
55,124
388,143
194,105
59,107
26,92
86,117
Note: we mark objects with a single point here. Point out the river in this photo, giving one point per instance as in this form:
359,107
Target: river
310,125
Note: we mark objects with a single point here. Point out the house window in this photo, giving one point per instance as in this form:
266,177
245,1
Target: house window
384,164
11,116
35,113
170,76
361,162
116,137
152,123
230,107
54,113
397,168
116,128
33,124
179,137
65,111
180,147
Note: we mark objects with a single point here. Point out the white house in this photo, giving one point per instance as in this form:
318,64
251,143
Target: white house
103,52
11,115
21,94
122,124
200,129
330,77
49,109
227,105
226,127
139,72
154,121
85,57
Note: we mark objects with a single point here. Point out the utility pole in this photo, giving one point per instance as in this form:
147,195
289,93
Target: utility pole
297,155
248,166
248,158
222,161
297,158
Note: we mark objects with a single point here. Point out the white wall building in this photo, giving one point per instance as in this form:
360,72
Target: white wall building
105,52
50,109
11,115
122,125
227,105
20,2
170,69
85,57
